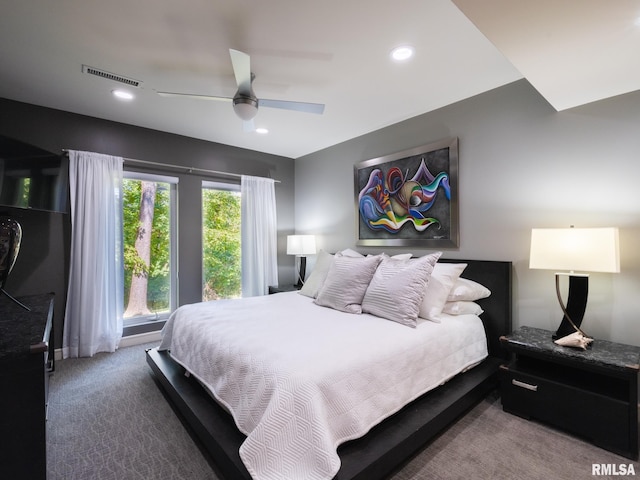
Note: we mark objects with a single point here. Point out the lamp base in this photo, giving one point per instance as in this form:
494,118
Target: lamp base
576,305
301,273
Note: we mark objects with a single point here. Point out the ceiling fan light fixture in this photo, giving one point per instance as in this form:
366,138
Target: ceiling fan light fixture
245,107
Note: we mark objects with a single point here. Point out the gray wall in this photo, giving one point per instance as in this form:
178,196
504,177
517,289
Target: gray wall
522,165
42,265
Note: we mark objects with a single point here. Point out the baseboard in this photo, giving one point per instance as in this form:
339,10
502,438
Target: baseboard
128,341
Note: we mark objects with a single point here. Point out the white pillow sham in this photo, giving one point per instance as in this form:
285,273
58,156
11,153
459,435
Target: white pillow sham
347,282
347,252
403,256
397,288
442,281
318,275
462,307
467,290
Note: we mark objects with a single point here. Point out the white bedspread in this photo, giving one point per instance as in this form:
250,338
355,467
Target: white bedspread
300,379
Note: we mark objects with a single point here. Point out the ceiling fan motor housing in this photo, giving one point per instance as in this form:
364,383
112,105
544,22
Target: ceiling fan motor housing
246,107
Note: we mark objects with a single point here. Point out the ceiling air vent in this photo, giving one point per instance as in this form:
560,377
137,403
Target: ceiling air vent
111,76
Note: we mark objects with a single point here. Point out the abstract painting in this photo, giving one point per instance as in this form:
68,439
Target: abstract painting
409,198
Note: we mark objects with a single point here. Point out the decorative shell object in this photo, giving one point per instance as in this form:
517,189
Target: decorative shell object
576,340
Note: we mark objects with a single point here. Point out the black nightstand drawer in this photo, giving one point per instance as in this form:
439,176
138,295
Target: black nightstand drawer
604,420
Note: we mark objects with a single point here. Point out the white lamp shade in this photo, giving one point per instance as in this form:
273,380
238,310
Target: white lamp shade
575,249
301,245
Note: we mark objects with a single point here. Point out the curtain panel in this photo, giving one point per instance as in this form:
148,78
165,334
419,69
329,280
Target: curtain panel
93,317
259,235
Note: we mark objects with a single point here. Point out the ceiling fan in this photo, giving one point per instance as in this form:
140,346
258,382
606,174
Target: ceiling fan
245,102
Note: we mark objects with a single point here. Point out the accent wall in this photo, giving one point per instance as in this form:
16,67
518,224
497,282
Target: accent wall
521,165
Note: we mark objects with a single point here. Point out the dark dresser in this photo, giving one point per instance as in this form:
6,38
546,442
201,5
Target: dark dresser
25,354
592,393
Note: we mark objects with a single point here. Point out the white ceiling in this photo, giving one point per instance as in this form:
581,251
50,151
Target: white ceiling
334,52
573,52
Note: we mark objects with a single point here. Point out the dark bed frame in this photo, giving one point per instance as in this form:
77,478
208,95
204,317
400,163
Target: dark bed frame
388,445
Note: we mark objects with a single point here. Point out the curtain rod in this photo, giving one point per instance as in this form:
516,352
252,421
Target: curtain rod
180,167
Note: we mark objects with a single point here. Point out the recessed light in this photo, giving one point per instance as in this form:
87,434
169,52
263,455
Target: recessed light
262,131
402,53
122,94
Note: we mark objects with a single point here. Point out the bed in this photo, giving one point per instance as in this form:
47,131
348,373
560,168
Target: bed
368,455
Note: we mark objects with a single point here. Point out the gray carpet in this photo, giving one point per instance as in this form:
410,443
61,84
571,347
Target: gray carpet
109,421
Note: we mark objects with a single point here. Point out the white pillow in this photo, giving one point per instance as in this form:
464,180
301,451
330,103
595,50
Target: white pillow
318,275
462,308
347,282
403,256
397,288
399,256
443,278
347,252
467,290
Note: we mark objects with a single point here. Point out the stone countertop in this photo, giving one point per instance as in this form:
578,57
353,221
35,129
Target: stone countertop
600,353
23,332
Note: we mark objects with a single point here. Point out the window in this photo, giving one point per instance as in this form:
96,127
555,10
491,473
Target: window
149,247
22,192
221,254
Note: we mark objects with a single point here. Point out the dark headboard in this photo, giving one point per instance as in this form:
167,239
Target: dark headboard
496,276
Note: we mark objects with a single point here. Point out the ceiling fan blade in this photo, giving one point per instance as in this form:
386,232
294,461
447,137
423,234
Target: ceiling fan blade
242,70
193,95
317,108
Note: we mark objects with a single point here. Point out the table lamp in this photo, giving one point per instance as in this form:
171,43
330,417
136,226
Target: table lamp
301,246
576,250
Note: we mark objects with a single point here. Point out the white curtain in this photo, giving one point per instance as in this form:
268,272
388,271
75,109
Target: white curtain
259,236
93,318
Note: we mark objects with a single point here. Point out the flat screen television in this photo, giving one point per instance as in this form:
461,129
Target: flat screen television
32,178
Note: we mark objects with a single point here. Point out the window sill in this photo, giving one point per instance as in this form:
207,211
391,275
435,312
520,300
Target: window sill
145,327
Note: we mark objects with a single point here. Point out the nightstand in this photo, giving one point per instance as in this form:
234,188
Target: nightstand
592,393
282,288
